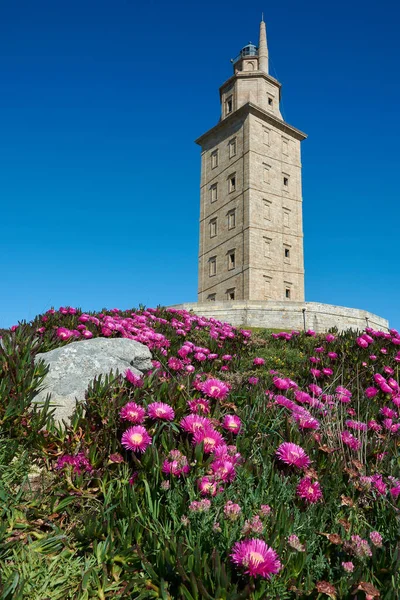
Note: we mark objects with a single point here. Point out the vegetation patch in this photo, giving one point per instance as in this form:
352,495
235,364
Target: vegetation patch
245,464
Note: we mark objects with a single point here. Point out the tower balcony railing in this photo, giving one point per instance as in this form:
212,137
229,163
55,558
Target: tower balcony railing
249,50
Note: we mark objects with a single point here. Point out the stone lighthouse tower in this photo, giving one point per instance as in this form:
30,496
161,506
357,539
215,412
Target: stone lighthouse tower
251,232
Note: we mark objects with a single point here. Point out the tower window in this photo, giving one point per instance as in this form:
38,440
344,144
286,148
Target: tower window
229,105
270,101
214,192
211,297
286,213
267,209
232,183
286,181
267,287
287,253
212,266
214,159
230,294
213,228
267,247
232,219
232,148
287,293
266,173
231,260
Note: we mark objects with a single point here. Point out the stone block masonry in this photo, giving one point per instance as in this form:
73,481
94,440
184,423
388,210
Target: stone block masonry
287,315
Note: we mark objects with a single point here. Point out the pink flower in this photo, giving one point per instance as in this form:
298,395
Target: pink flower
214,388
208,486
193,423
177,464
376,539
281,383
135,380
232,423
361,547
232,511
63,333
330,337
362,343
357,425
256,557
199,406
371,392
87,334
332,355
265,510
254,525
309,490
136,439
175,364
210,438
295,543
160,410
350,441
200,506
258,361
223,470
315,389
132,412
291,454
253,380
348,566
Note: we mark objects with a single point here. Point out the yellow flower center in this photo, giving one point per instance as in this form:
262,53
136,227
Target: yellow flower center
137,438
256,557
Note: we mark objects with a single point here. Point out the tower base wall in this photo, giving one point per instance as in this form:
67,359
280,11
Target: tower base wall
287,315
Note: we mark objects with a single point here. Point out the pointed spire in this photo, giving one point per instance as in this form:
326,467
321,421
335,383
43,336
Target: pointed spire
262,48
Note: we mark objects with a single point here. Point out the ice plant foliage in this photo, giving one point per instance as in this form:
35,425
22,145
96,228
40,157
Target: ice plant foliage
232,442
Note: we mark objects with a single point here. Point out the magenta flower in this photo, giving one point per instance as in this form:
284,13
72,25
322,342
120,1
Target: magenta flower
63,333
160,410
350,441
177,464
256,557
133,379
175,364
208,486
210,438
223,470
132,412
136,439
232,423
214,388
199,406
362,343
193,423
309,490
258,361
294,455
281,383
371,392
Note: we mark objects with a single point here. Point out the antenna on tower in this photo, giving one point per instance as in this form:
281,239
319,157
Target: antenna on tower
262,16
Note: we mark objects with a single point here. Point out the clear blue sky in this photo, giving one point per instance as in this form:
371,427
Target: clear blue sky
100,102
